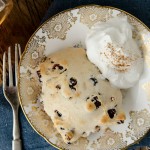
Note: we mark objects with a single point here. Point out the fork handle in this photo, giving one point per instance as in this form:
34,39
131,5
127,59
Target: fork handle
16,145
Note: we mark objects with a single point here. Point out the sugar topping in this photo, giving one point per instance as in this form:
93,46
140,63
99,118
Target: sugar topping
117,59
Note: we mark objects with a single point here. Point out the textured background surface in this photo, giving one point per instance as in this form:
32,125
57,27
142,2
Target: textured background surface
32,141
23,20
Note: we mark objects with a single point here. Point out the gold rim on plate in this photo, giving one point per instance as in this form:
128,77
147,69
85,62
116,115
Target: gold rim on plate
67,10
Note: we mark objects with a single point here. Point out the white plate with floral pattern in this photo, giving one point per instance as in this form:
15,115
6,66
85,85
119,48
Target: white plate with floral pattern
69,28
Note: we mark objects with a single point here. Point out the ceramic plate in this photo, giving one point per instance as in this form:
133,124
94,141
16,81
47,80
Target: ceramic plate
69,28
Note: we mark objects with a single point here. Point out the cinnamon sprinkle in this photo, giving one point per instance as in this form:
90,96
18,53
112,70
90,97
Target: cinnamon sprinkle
117,59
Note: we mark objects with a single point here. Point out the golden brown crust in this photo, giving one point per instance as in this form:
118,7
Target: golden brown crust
105,119
90,106
121,116
69,135
64,62
42,68
58,122
77,94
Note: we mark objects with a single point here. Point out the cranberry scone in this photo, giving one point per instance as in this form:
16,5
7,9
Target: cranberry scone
75,96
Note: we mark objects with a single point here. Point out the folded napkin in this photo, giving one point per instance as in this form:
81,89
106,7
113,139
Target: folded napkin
30,139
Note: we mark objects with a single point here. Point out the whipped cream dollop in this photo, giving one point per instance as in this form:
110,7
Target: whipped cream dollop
112,49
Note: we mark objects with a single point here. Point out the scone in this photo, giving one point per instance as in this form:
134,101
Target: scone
75,96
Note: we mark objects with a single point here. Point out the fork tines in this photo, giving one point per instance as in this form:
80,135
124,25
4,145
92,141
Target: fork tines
17,52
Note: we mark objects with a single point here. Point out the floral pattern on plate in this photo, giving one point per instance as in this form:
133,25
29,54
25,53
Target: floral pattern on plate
92,15
58,26
35,52
111,140
140,122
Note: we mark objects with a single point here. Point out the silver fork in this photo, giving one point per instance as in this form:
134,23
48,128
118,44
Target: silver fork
11,94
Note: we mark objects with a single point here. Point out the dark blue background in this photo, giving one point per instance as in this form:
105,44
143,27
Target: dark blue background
31,140
138,8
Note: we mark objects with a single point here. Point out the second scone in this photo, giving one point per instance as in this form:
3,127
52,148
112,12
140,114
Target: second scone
75,96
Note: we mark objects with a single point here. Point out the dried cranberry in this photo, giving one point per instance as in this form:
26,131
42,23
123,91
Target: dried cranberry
120,122
106,79
94,80
95,98
112,98
72,83
39,75
57,66
63,71
69,143
58,87
62,128
58,113
96,102
87,98
97,128
111,113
